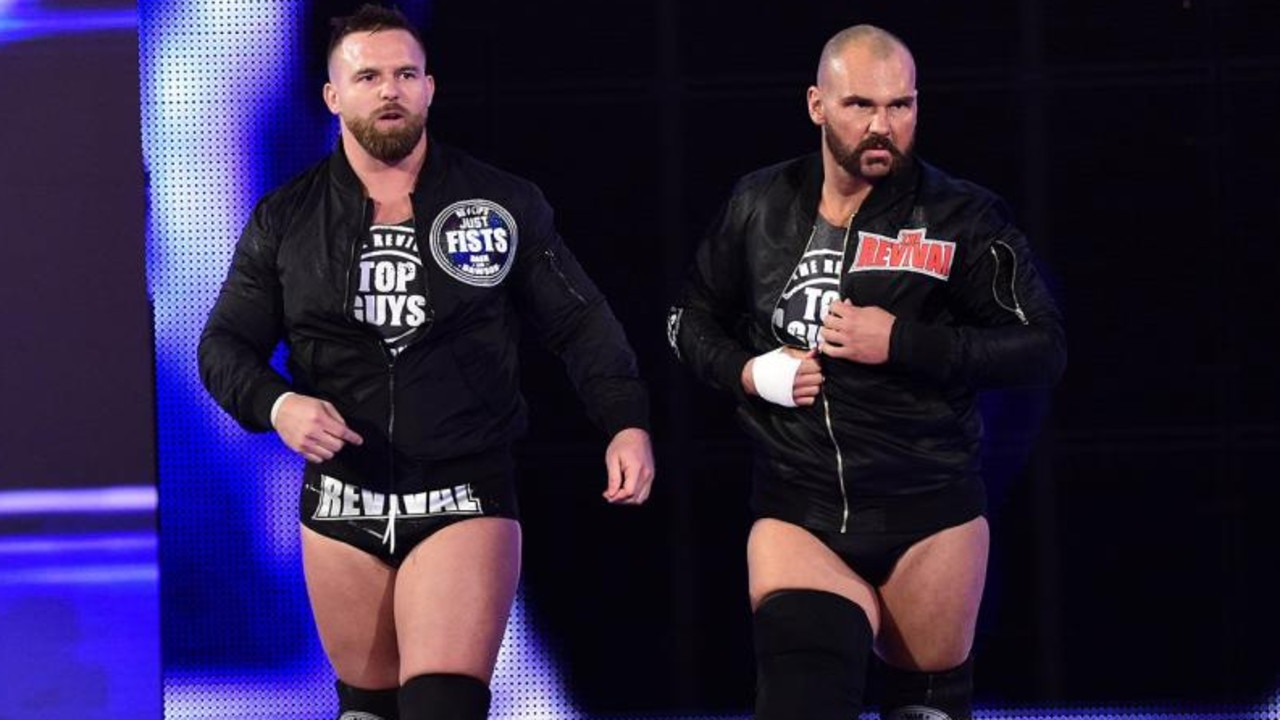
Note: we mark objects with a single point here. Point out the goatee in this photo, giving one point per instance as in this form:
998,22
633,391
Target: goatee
851,158
392,145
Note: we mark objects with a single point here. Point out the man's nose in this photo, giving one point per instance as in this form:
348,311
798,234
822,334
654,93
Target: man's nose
390,90
879,124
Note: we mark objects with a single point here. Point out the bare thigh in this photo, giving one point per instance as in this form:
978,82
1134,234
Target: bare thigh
453,596
930,601
783,556
352,597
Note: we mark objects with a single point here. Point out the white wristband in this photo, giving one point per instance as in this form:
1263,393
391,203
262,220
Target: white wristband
275,406
774,374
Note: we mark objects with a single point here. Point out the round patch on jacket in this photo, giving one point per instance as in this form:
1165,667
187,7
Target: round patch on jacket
474,241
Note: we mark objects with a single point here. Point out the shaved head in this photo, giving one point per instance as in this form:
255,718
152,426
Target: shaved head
865,102
874,41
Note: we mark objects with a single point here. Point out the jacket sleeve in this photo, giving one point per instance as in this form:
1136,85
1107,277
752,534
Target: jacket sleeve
1008,330
243,330
574,320
713,303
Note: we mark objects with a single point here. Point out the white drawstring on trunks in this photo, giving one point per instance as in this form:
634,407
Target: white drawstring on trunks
389,537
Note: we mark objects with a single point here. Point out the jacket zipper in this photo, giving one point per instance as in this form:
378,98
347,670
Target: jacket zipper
1013,282
831,433
826,406
389,535
365,214
555,265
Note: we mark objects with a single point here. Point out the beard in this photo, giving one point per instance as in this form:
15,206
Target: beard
851,158
392,145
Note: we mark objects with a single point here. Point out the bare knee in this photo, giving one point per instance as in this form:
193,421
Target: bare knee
933,656
362,666
782,556
453,598
931,600
351,597
924,643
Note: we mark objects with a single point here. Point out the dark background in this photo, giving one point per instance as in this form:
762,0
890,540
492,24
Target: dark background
75,359
79,602
1135,555
1135,558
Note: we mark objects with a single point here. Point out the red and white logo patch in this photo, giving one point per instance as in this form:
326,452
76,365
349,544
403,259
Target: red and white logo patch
911,251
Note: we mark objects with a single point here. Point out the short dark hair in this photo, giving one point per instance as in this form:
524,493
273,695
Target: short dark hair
371,18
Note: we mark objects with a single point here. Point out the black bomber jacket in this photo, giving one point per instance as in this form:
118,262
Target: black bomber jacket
454,391
940,254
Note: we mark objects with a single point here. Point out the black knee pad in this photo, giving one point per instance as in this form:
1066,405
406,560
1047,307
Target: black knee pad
812,649
946,695
359,704
438,696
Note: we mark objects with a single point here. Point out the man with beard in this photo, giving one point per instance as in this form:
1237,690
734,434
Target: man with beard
853,302
397,270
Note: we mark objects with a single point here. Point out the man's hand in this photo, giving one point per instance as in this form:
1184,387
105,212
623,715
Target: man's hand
860,334
312,427
629,460
805,385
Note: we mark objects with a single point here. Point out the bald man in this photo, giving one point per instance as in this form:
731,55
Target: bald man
853,302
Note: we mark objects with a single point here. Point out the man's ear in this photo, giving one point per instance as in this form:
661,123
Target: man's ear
814,102
331,97
431,89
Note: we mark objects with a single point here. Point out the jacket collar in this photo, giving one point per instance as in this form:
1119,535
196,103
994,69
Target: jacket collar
883,196
432,173
890,190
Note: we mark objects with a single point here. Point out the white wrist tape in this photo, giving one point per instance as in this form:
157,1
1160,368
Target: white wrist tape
774,374
275,406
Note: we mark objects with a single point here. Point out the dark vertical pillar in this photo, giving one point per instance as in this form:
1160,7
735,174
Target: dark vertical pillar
1034,213
671,404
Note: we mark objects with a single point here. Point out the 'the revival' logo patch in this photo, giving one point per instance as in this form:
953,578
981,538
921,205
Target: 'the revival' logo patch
911,251
474,241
